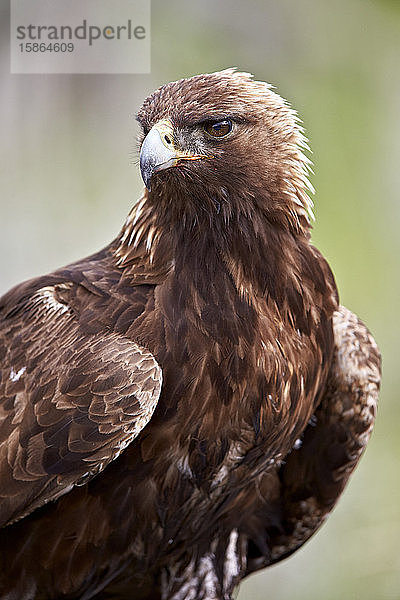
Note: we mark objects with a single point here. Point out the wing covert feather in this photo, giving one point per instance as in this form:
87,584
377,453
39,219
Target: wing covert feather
70,401
315,473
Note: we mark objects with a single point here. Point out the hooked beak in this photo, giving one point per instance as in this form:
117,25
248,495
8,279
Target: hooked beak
158,151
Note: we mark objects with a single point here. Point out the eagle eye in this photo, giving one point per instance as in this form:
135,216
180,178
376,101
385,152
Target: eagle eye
218,129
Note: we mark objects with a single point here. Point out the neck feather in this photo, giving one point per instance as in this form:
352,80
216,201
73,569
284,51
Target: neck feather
256,253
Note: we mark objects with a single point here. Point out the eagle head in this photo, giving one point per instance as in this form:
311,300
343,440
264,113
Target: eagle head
222,142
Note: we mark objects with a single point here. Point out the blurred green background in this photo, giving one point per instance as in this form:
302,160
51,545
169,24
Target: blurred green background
69,176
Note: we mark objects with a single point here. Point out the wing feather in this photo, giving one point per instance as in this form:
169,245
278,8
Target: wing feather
315,473
70,401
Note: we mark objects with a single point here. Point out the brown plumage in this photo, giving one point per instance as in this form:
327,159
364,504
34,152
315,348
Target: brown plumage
185,406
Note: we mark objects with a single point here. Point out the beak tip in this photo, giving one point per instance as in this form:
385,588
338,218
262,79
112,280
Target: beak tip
154,156
146,177
146,170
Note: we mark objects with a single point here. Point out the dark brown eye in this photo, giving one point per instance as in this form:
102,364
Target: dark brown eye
218,129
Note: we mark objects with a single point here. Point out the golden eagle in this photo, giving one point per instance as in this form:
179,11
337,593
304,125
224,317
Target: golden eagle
185,406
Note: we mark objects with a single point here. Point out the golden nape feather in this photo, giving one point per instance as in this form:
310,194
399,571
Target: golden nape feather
185,406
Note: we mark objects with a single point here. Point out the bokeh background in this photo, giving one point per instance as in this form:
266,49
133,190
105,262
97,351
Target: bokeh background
69,176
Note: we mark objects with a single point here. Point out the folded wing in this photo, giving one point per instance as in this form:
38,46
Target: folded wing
70,401
317,470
